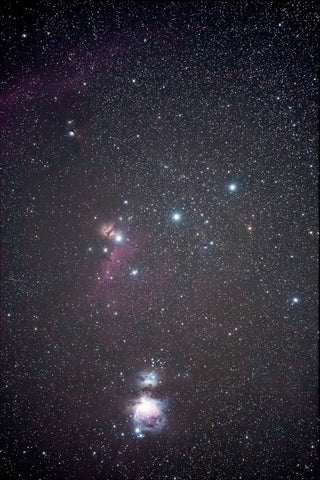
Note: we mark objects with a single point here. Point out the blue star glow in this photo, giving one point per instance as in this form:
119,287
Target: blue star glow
176,217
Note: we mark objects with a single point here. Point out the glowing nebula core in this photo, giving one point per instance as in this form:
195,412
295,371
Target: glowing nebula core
148,416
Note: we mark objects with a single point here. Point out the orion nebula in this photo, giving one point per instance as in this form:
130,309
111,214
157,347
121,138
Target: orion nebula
148,416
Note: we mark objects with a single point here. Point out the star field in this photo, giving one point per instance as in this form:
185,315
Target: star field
159,240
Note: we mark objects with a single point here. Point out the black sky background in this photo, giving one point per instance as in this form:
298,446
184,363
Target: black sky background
124,114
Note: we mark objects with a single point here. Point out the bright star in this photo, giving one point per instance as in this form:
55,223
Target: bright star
232,187
118,238
176,217
105,250
134,272
295,300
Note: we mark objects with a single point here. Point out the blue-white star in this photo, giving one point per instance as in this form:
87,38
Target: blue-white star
176,217
232,187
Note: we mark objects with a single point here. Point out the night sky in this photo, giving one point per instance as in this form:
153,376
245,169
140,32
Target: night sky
159,240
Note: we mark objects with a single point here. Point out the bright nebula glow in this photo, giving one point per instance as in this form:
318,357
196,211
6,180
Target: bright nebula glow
232,187
148,379
148,416
107,230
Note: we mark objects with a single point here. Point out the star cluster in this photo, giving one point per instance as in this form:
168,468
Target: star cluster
160,240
